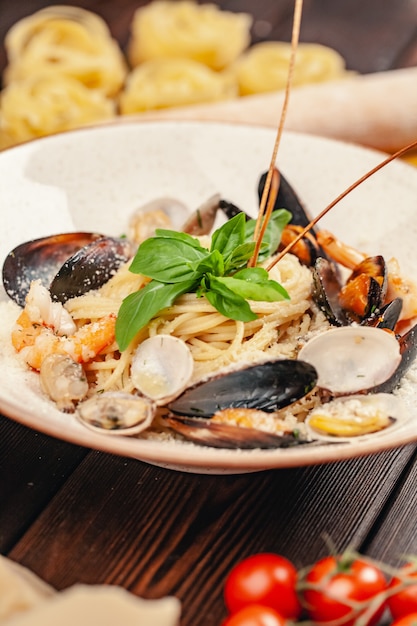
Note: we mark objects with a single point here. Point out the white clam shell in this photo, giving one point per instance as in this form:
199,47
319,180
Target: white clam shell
364,415
116,413
162,367
352,358
166,213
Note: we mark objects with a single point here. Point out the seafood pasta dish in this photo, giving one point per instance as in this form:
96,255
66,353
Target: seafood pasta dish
195,326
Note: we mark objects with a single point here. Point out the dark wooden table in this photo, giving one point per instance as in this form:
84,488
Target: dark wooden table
77,515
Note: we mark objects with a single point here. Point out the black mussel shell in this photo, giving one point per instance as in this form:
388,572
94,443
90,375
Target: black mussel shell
408,351
231,210
326,289
287,199
40,259
90,268
268,387
387,316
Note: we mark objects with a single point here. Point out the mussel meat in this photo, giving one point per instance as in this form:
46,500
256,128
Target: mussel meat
359,300
220,435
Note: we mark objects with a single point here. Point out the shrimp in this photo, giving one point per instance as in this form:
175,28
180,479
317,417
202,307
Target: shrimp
40,331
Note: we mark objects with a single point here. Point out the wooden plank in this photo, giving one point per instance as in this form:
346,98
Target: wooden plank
395,535
33,467
158,532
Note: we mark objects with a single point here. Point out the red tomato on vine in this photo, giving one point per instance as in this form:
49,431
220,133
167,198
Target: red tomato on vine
266,579
405,601
344,587
255,615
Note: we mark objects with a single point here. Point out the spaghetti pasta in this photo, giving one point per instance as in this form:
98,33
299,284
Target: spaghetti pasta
215,341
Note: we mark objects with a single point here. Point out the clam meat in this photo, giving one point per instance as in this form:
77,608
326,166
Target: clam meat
116,413
354,416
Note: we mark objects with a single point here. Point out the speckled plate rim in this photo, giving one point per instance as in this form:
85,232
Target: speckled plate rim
78,179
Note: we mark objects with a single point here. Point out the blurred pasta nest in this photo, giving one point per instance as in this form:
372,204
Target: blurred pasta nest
264,67
204,33
65,70
162,83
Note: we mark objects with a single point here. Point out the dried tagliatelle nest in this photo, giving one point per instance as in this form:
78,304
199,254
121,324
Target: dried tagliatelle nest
68,41
162,83
65,70
264,67
48,104
204,33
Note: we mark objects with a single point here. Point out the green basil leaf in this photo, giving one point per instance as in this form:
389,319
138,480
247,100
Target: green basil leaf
213,263
227,302
140,307
179,236
230,235
239,257
252,274
262,290
272,237
168,259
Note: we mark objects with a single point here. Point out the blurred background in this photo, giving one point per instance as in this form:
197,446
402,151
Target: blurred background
345,25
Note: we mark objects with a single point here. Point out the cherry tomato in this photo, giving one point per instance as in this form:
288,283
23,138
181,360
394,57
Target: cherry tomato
255,615
341,580
405,601
406,620
267,579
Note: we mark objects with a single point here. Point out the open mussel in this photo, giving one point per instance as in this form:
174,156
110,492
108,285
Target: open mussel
359,300
229,410
69,264
267,387
90,268
40,258
222,435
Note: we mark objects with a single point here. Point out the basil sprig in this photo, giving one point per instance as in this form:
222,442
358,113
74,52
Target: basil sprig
178,264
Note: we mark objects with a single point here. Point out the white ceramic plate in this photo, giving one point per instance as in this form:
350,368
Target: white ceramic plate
92,179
